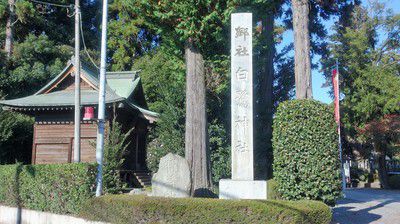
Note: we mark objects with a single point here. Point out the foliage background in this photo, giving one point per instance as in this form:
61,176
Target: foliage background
15,137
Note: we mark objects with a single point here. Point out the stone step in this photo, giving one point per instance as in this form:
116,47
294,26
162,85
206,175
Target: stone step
143,177
145,180
145,184
142,172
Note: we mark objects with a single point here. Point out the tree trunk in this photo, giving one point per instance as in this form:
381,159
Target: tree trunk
302,60
196,141
8,47
382,172
269,79
264,103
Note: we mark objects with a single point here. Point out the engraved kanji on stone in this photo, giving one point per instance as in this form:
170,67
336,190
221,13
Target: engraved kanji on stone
241,146
242,124
242,121
242,32
241,73
241,51
241,98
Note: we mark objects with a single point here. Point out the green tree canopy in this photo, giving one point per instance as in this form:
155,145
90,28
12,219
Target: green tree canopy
366,44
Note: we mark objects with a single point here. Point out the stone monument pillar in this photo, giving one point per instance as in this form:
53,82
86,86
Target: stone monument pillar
242,185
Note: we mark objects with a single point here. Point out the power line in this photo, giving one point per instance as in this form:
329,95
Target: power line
53,4
80,25
84,44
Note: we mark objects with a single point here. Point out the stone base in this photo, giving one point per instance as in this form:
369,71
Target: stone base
242,189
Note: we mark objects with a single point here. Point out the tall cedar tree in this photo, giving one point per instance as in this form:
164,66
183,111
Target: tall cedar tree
309,37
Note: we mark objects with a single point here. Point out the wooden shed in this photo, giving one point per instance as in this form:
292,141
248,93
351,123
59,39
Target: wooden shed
53,110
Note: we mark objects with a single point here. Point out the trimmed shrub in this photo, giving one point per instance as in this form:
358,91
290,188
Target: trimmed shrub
394,181
306,155
272,190
58,188
142,209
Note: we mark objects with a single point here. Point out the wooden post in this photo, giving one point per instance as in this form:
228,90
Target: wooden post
137,151
33,161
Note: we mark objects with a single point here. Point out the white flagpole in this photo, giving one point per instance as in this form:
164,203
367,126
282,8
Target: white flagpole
77,113
101,107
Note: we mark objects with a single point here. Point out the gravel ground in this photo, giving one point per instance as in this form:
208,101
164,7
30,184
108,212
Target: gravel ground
361,206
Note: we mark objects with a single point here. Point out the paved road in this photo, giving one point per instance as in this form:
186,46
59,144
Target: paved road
362,206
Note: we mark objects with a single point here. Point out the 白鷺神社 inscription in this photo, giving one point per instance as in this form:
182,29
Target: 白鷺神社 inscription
242,97
242,184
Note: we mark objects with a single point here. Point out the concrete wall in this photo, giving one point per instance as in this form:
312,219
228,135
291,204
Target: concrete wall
11,215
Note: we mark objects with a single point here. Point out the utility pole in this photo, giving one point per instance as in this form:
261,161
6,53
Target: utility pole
102,96
77,120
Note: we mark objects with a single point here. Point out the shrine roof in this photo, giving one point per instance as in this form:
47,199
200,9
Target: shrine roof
122,87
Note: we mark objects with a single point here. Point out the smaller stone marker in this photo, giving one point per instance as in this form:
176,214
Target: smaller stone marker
242,185
172,178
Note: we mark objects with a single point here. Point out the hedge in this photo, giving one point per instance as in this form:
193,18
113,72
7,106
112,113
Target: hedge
394,181
306,156
58,188
272,190
143,209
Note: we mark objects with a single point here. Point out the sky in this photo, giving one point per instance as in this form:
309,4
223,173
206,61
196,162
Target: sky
320,93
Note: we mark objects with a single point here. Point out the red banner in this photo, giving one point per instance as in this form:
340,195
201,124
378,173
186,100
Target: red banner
335,82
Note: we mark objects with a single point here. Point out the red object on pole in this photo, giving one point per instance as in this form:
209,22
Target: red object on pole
89,113
335,81
335,84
